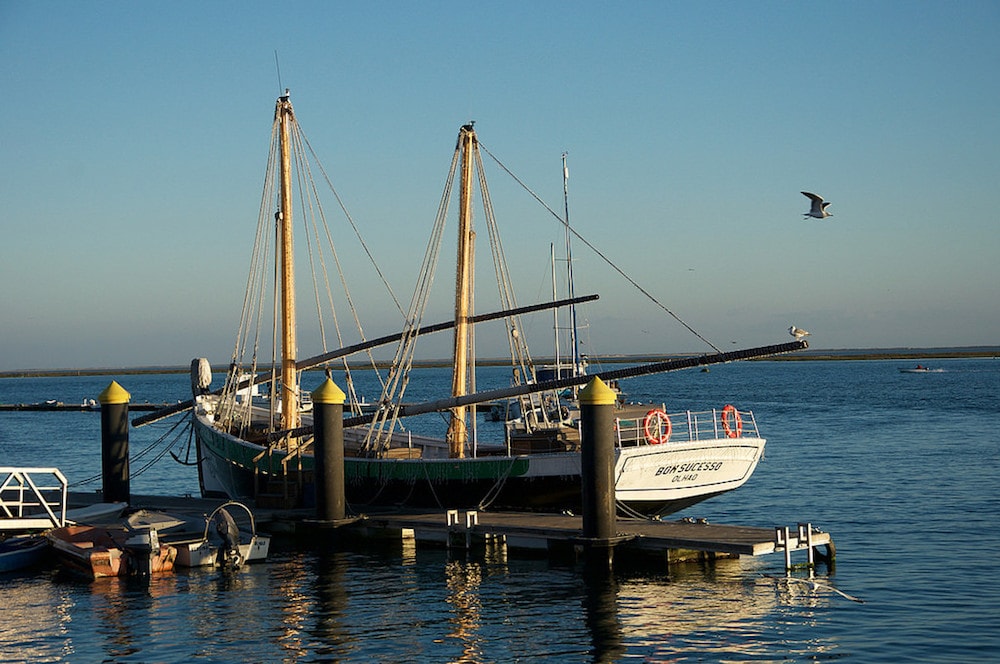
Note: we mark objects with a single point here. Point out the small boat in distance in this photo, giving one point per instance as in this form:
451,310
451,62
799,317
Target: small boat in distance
920,369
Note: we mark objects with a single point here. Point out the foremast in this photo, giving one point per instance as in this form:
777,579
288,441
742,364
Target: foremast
290,419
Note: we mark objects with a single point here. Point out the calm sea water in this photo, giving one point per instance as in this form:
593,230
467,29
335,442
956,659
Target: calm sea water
902,469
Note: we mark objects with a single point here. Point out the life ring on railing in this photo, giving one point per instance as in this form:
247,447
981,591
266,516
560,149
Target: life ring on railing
656,421
734,430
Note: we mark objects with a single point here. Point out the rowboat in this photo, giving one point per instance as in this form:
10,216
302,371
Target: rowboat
18,552
109,551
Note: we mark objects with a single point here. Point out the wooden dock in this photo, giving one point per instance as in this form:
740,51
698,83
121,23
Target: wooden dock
675,541
536,533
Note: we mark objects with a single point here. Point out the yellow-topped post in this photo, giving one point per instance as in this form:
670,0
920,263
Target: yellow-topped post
597,451
328,429
597,393
114,443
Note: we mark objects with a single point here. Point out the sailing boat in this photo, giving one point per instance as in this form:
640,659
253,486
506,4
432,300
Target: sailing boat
262,449
558,420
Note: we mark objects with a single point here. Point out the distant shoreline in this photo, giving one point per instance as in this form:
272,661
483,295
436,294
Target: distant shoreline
822,355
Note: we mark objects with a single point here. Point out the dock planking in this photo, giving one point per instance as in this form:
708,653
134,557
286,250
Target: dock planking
546,531
673,540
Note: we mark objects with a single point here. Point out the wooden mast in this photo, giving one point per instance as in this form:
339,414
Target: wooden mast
457,431
289,379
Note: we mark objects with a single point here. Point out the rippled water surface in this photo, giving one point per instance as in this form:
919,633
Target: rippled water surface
902,469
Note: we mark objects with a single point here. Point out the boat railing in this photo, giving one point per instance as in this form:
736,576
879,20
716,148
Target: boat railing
659,427
32,498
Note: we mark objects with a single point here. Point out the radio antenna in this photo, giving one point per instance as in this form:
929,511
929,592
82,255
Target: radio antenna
277,68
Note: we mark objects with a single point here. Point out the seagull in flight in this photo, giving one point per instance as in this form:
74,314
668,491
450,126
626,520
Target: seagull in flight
818,207
797,332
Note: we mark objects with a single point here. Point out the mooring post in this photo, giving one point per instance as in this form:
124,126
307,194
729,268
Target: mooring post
597,450
328,428
114,443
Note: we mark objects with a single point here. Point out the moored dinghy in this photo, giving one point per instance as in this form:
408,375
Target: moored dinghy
103,551
18,552
33,501
222,543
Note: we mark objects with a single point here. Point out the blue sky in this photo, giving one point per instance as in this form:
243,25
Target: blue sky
134,138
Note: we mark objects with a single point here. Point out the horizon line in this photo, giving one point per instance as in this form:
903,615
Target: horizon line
887,353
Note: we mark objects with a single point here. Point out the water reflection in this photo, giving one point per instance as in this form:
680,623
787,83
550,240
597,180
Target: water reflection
36,616
723,608
115,601
420,605
291,589
331,606
463,595
600,603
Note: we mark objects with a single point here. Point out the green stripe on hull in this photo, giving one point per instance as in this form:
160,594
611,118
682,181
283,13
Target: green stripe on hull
443,469
242,454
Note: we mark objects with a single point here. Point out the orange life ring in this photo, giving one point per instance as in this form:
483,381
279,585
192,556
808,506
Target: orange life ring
736,429
648,427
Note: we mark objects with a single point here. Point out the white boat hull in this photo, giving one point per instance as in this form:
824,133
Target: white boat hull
649,479
203,553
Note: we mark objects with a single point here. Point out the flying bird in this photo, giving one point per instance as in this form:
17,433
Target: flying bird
797,332
818,207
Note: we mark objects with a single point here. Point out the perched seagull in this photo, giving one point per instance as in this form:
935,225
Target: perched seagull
818,207
797,332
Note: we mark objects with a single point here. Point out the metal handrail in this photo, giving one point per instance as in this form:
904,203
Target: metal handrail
29,500
687,426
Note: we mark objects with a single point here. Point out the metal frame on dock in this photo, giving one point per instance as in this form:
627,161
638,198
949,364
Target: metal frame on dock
32,498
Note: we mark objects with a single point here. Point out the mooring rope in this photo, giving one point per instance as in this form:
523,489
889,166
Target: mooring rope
186,421
497,487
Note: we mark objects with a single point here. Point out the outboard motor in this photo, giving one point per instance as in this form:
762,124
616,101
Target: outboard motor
141,547
229,557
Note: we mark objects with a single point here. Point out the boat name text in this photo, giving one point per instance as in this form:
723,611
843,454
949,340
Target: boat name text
689,467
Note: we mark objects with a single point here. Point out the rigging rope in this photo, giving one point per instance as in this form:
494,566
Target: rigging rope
185,421
597,251
312,228
354,226
516,339
319,239
395,386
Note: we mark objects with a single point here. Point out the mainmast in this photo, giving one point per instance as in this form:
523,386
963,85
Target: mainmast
289,378
457,431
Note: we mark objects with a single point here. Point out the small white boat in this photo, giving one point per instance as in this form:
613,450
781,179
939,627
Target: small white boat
226,545
920,369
